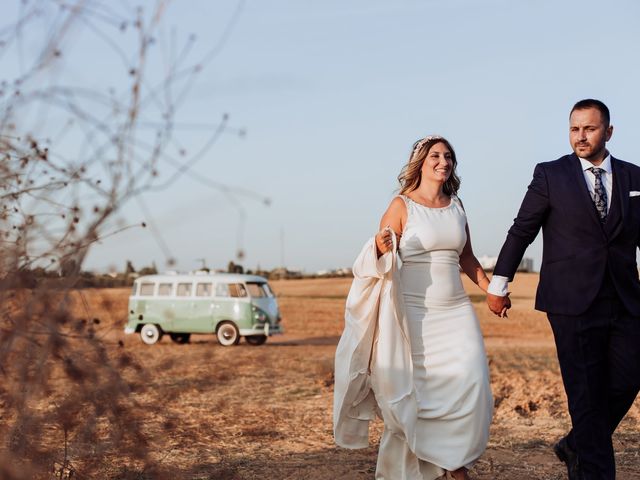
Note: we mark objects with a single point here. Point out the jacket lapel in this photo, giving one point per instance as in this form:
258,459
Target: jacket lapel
619,200
580,184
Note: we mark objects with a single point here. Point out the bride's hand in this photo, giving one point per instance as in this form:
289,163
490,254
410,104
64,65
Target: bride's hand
384,242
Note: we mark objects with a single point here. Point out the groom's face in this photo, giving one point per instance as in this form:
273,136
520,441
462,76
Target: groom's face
588,134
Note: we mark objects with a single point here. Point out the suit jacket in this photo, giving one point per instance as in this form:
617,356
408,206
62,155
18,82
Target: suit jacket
577,248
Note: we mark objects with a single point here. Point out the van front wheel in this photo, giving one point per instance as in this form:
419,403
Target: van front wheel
256,339
150,333
228,334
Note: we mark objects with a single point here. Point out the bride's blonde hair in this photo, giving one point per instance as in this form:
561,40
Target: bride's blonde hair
411,174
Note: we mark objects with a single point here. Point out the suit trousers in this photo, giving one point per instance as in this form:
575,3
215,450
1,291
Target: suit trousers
599,356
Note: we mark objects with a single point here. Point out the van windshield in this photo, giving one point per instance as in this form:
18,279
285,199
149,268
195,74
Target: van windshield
258,290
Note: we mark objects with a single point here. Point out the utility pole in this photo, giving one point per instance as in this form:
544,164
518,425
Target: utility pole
282,247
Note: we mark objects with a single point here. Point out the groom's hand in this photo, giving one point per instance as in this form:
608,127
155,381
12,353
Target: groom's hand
499,305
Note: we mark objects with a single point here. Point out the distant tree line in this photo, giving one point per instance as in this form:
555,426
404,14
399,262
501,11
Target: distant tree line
40,277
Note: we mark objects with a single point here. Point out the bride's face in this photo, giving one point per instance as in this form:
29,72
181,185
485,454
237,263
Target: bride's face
438,164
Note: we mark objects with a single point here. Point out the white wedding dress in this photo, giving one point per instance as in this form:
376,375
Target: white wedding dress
450,370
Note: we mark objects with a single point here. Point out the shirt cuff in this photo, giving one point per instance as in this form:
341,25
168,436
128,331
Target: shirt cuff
498,286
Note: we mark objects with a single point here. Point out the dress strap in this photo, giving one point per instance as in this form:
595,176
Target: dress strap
407,203
405,199
456,200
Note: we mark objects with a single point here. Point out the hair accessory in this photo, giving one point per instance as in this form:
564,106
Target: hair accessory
421,143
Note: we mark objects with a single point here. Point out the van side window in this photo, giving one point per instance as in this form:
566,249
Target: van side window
222,290
237,290
184,290
258,290
203,290
146,289
133,289
164,289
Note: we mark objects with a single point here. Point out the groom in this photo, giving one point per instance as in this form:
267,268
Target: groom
588,206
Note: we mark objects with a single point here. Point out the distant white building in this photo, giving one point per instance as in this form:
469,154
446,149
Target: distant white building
336,272
488,263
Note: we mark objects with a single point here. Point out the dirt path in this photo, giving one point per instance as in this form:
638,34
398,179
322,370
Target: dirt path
249,413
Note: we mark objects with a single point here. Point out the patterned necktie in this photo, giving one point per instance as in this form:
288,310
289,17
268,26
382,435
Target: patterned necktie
599,194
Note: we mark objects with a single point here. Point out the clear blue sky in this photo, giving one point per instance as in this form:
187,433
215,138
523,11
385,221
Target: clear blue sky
333,94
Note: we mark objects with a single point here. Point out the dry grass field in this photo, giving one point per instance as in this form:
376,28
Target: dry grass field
264,412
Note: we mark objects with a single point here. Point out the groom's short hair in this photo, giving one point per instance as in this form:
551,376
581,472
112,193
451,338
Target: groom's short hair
592,103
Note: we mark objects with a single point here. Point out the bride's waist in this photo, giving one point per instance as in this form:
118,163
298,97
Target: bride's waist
441,257
432,265
432,277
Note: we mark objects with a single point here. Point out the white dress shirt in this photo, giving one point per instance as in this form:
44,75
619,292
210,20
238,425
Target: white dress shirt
607,177
499,284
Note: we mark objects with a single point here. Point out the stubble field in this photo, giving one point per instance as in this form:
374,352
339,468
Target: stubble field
265,412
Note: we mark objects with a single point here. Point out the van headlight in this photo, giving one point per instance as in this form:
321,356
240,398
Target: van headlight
259,316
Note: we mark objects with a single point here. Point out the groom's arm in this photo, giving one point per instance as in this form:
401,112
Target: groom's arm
524,230
526,225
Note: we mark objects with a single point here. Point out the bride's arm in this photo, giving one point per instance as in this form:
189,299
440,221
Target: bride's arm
471,266
395,217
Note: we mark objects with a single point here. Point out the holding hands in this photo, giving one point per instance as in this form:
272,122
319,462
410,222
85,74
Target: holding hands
499,305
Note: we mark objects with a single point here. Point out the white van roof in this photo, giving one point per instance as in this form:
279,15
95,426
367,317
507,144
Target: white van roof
202,277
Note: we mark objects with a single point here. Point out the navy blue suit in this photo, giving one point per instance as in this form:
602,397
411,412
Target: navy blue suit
590,289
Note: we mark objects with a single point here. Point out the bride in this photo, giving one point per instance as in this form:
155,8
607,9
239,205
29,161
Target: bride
425,344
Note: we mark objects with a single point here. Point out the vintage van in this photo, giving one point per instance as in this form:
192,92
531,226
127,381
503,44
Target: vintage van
228,305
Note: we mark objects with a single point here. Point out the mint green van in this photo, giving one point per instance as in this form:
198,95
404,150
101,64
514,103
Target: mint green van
227,305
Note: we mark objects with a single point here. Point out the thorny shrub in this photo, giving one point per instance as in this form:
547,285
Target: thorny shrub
67,404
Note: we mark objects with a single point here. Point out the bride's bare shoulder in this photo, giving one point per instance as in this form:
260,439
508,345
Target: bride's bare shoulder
396,214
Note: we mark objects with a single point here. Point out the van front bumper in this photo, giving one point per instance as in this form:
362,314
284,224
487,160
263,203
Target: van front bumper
265,329
128,330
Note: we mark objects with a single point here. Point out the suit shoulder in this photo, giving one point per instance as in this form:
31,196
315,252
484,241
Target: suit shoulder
553,165
557,163
632,167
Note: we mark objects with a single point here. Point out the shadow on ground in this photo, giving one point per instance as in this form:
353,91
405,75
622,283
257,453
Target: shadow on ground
534,461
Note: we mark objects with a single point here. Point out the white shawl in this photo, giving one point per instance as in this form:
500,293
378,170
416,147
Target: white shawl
368,376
